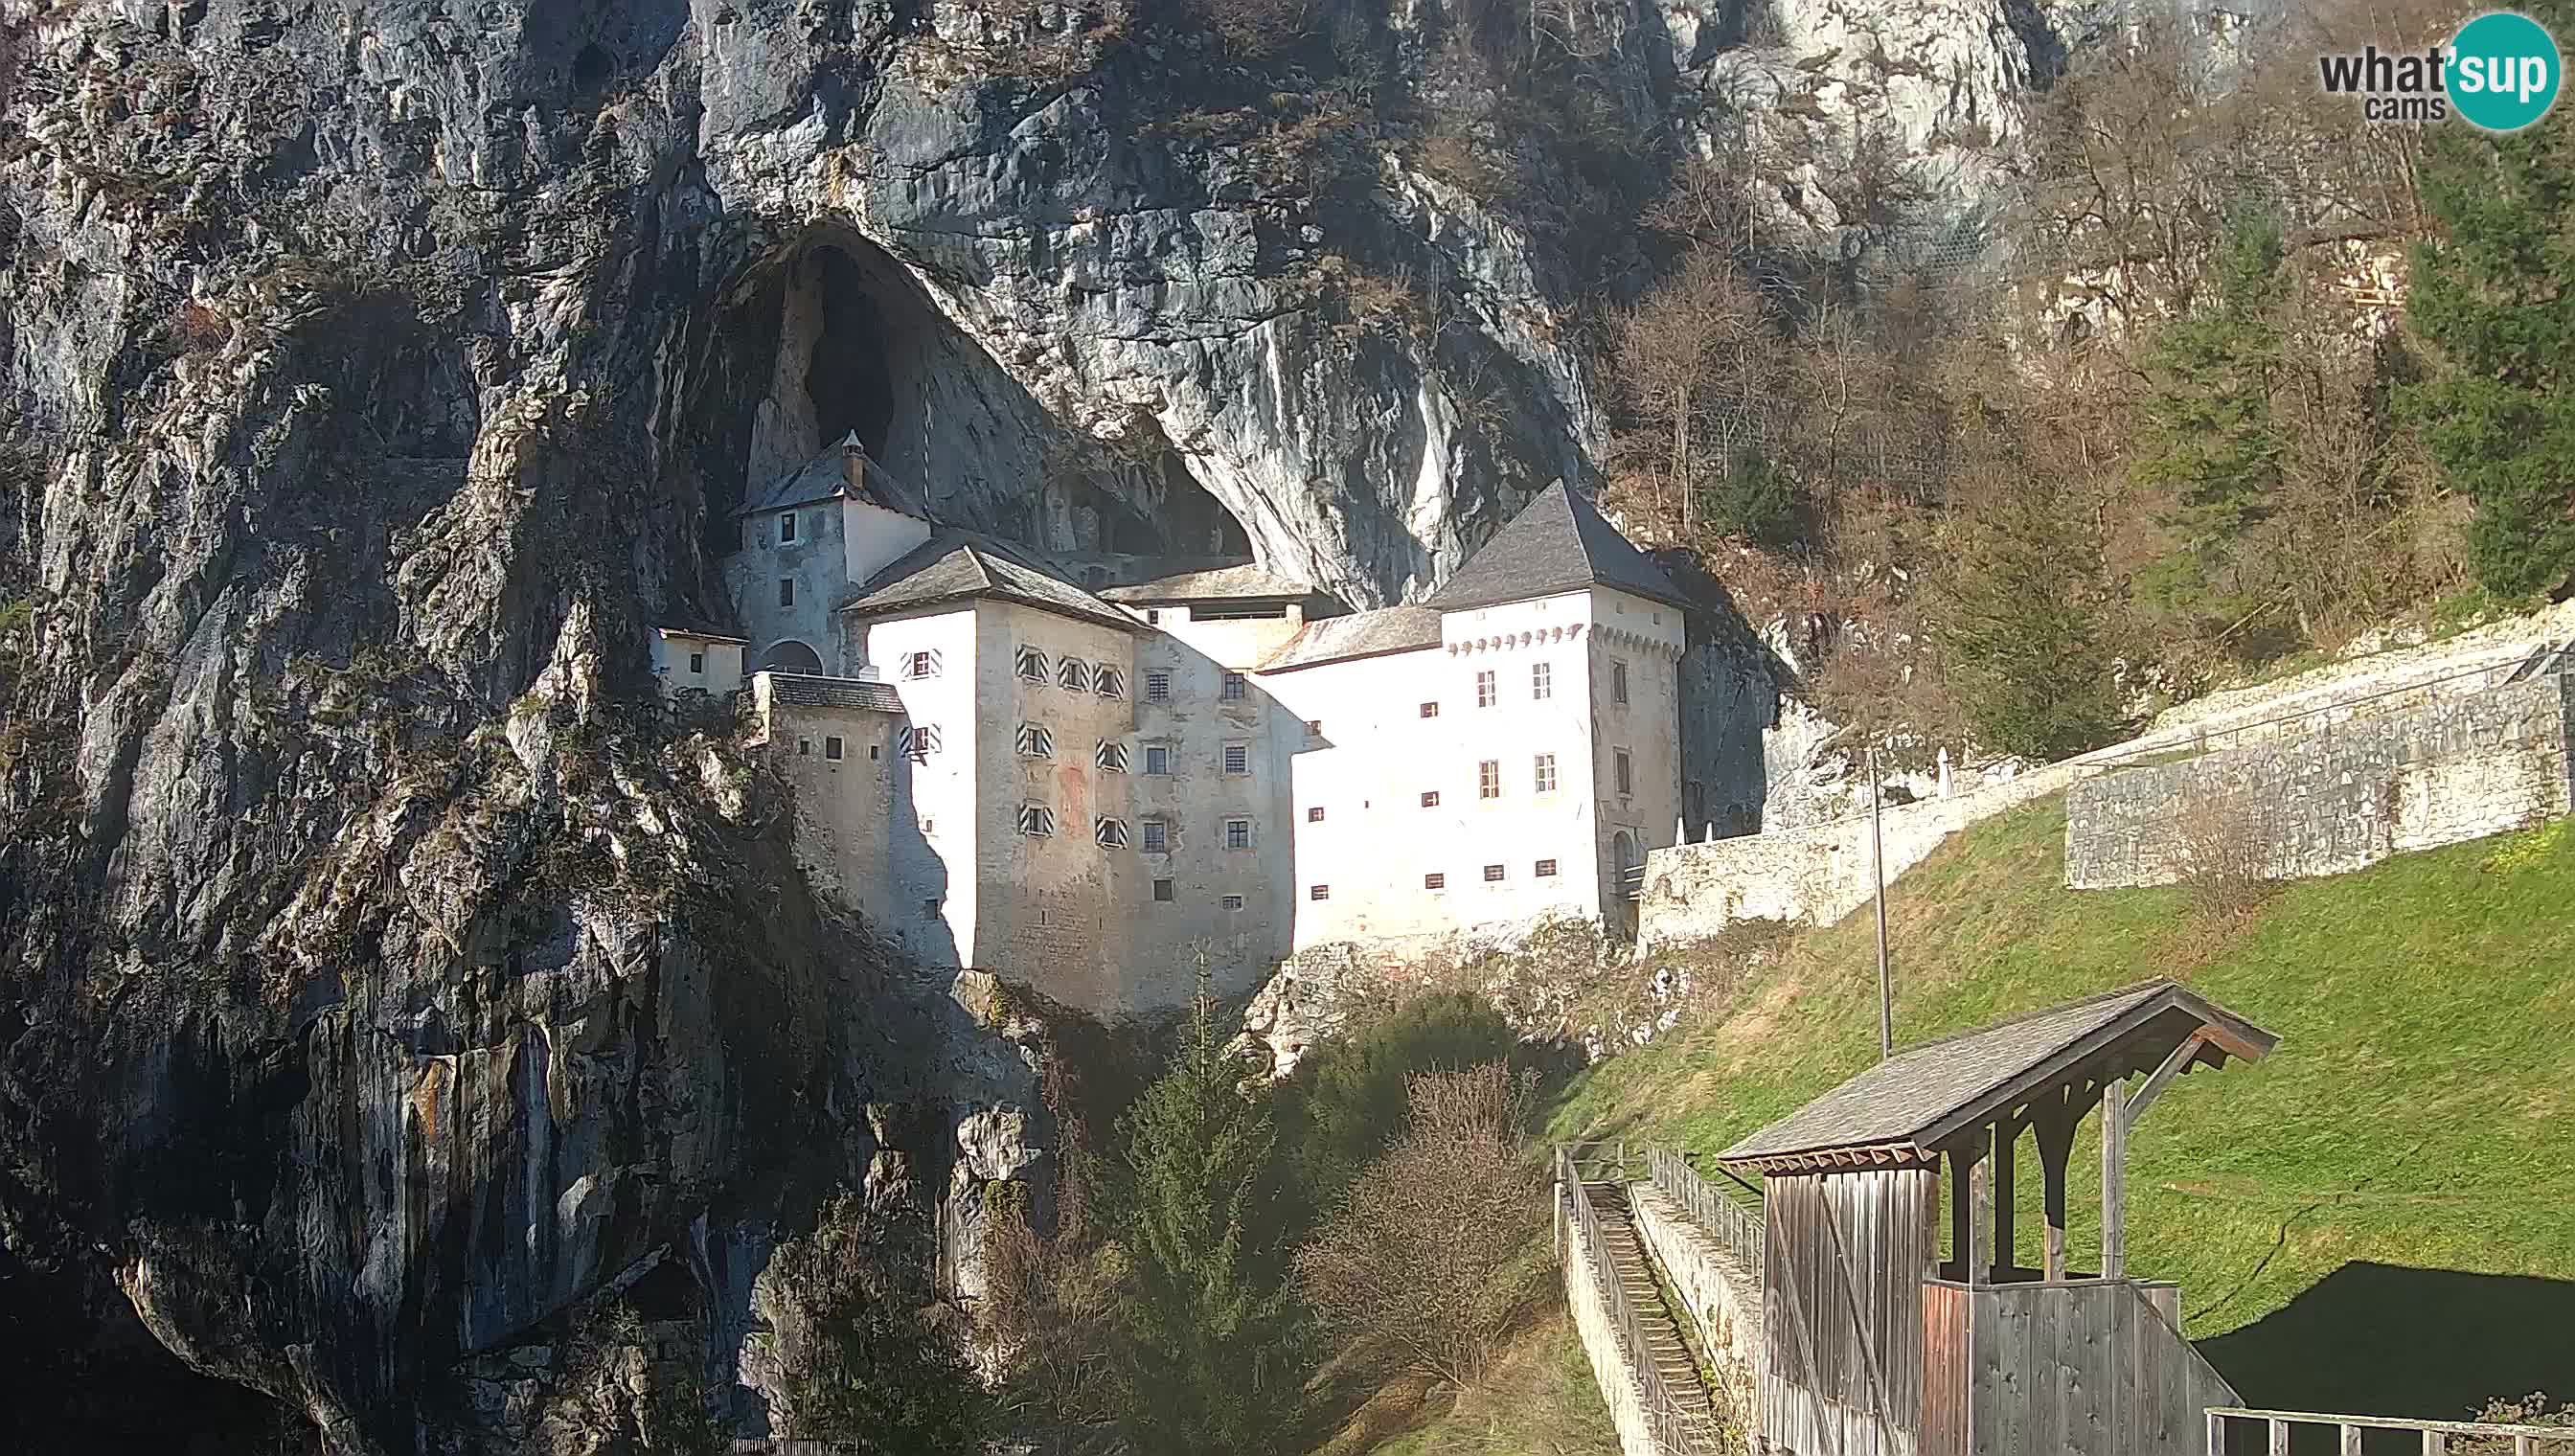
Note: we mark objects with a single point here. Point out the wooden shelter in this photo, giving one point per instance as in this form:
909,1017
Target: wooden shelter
1871,1347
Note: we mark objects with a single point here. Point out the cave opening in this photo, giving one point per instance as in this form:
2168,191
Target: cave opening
847,379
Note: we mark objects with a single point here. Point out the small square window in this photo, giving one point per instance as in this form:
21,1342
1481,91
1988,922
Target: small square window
1238,834
1435,882
1157,688
1231,691
1111,756
1545,869
1233,902
1492,873
920,664
1111,833
1158,836
1154,614
1032,664
1541,679
787,527
1108,681
1162,890
1617,681
1315,816
804,746
1431,799
1318,892
787,591
1431,709
1036,742
696,663
916,742
1488,779
1314,725
930,909
832,747
1484,693
1238,758
1036,820
1626,774
1074,676
1546,773
1157,758
875,751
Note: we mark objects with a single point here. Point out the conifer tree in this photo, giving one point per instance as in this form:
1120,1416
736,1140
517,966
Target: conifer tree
2496,296
1212,1331
2019,613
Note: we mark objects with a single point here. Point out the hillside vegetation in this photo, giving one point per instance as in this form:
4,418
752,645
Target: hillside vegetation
2371,1220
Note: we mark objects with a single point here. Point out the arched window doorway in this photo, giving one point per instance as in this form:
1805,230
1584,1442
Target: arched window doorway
792,656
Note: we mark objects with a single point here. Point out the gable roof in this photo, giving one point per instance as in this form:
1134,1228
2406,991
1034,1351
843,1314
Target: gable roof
1910,1105
1359,634
805,689
1557,543
1245,581
955,566
842,470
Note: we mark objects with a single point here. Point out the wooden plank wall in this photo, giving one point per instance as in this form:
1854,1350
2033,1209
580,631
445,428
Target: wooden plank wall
2094,1368
1944,1370
1844,1257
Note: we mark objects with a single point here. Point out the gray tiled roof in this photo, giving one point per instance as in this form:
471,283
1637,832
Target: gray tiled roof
807,690
1557,543
1359,635
957,565
1219,583
827,477
1921,1097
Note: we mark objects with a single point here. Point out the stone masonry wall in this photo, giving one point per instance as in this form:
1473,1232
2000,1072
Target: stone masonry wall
1724,1299
2358,790
1598,1329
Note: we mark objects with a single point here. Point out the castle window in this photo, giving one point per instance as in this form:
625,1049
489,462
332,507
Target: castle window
1431,799
1541,679
1111,756
920,664
1488,779
1075,677
1232,902
1032,665
1162,890
1493,874
1036,742
1238,758
875,751
1157,688
1157,758
1231,691
1158,836
1626,773
1036,820
1617,681
1238,834
916,742
1154,614
1109,681
1315,816
1111,833
1431,709
831,748
787,527
1314,725
1318,892
1484,692
1545,869
696,663
1546,773
1435,882
930,909
787,591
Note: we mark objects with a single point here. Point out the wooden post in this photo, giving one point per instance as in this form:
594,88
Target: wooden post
2114,1179
2351,1441
1963,1163
2055,1133
2279,1438
1981,1181
2005,1135
2216,1434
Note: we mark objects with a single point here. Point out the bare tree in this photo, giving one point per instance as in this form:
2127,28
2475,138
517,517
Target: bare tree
1434,1254
1698,351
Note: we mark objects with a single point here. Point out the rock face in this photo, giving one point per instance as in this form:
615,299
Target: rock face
379,985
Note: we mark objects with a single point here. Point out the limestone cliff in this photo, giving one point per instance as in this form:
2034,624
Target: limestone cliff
379,983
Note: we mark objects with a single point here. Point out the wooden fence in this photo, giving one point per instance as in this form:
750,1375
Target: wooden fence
2092,1366
1735,1227
2437,1438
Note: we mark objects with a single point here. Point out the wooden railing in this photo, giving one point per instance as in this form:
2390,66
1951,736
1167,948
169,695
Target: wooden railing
1720,1214
2439,1438
1676,1427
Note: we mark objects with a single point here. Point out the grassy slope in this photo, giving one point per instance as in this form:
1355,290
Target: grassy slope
1540,1401
2416,1114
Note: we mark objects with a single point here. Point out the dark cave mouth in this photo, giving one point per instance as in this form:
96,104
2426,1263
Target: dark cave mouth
849,378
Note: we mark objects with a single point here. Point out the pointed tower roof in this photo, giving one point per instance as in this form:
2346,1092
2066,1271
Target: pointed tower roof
955,564
1557,543
840,470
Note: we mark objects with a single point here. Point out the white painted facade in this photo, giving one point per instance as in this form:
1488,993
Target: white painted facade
697,662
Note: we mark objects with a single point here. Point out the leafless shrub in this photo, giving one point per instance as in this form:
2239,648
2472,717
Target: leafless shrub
1430,1260
2529,1410
1253,29
2226,846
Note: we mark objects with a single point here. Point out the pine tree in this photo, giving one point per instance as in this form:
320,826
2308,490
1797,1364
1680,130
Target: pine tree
2018,615
1212,1331
2210,436
2495,298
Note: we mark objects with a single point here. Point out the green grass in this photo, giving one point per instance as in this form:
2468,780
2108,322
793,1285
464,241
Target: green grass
1540,1401
2419,1112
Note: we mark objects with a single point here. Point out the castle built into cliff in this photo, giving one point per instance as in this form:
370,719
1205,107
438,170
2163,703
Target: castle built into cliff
1084,776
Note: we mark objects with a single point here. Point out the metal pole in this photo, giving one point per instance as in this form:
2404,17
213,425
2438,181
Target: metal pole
1877,868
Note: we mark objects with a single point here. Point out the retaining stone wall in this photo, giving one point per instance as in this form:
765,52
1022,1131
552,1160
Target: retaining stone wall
1619,1388
1725,1300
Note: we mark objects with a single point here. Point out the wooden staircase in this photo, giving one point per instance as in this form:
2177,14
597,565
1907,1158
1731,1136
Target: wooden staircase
1666,1345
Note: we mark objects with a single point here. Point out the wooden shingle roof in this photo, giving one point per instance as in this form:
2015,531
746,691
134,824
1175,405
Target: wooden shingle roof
1557,543
957,565
1909,1107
